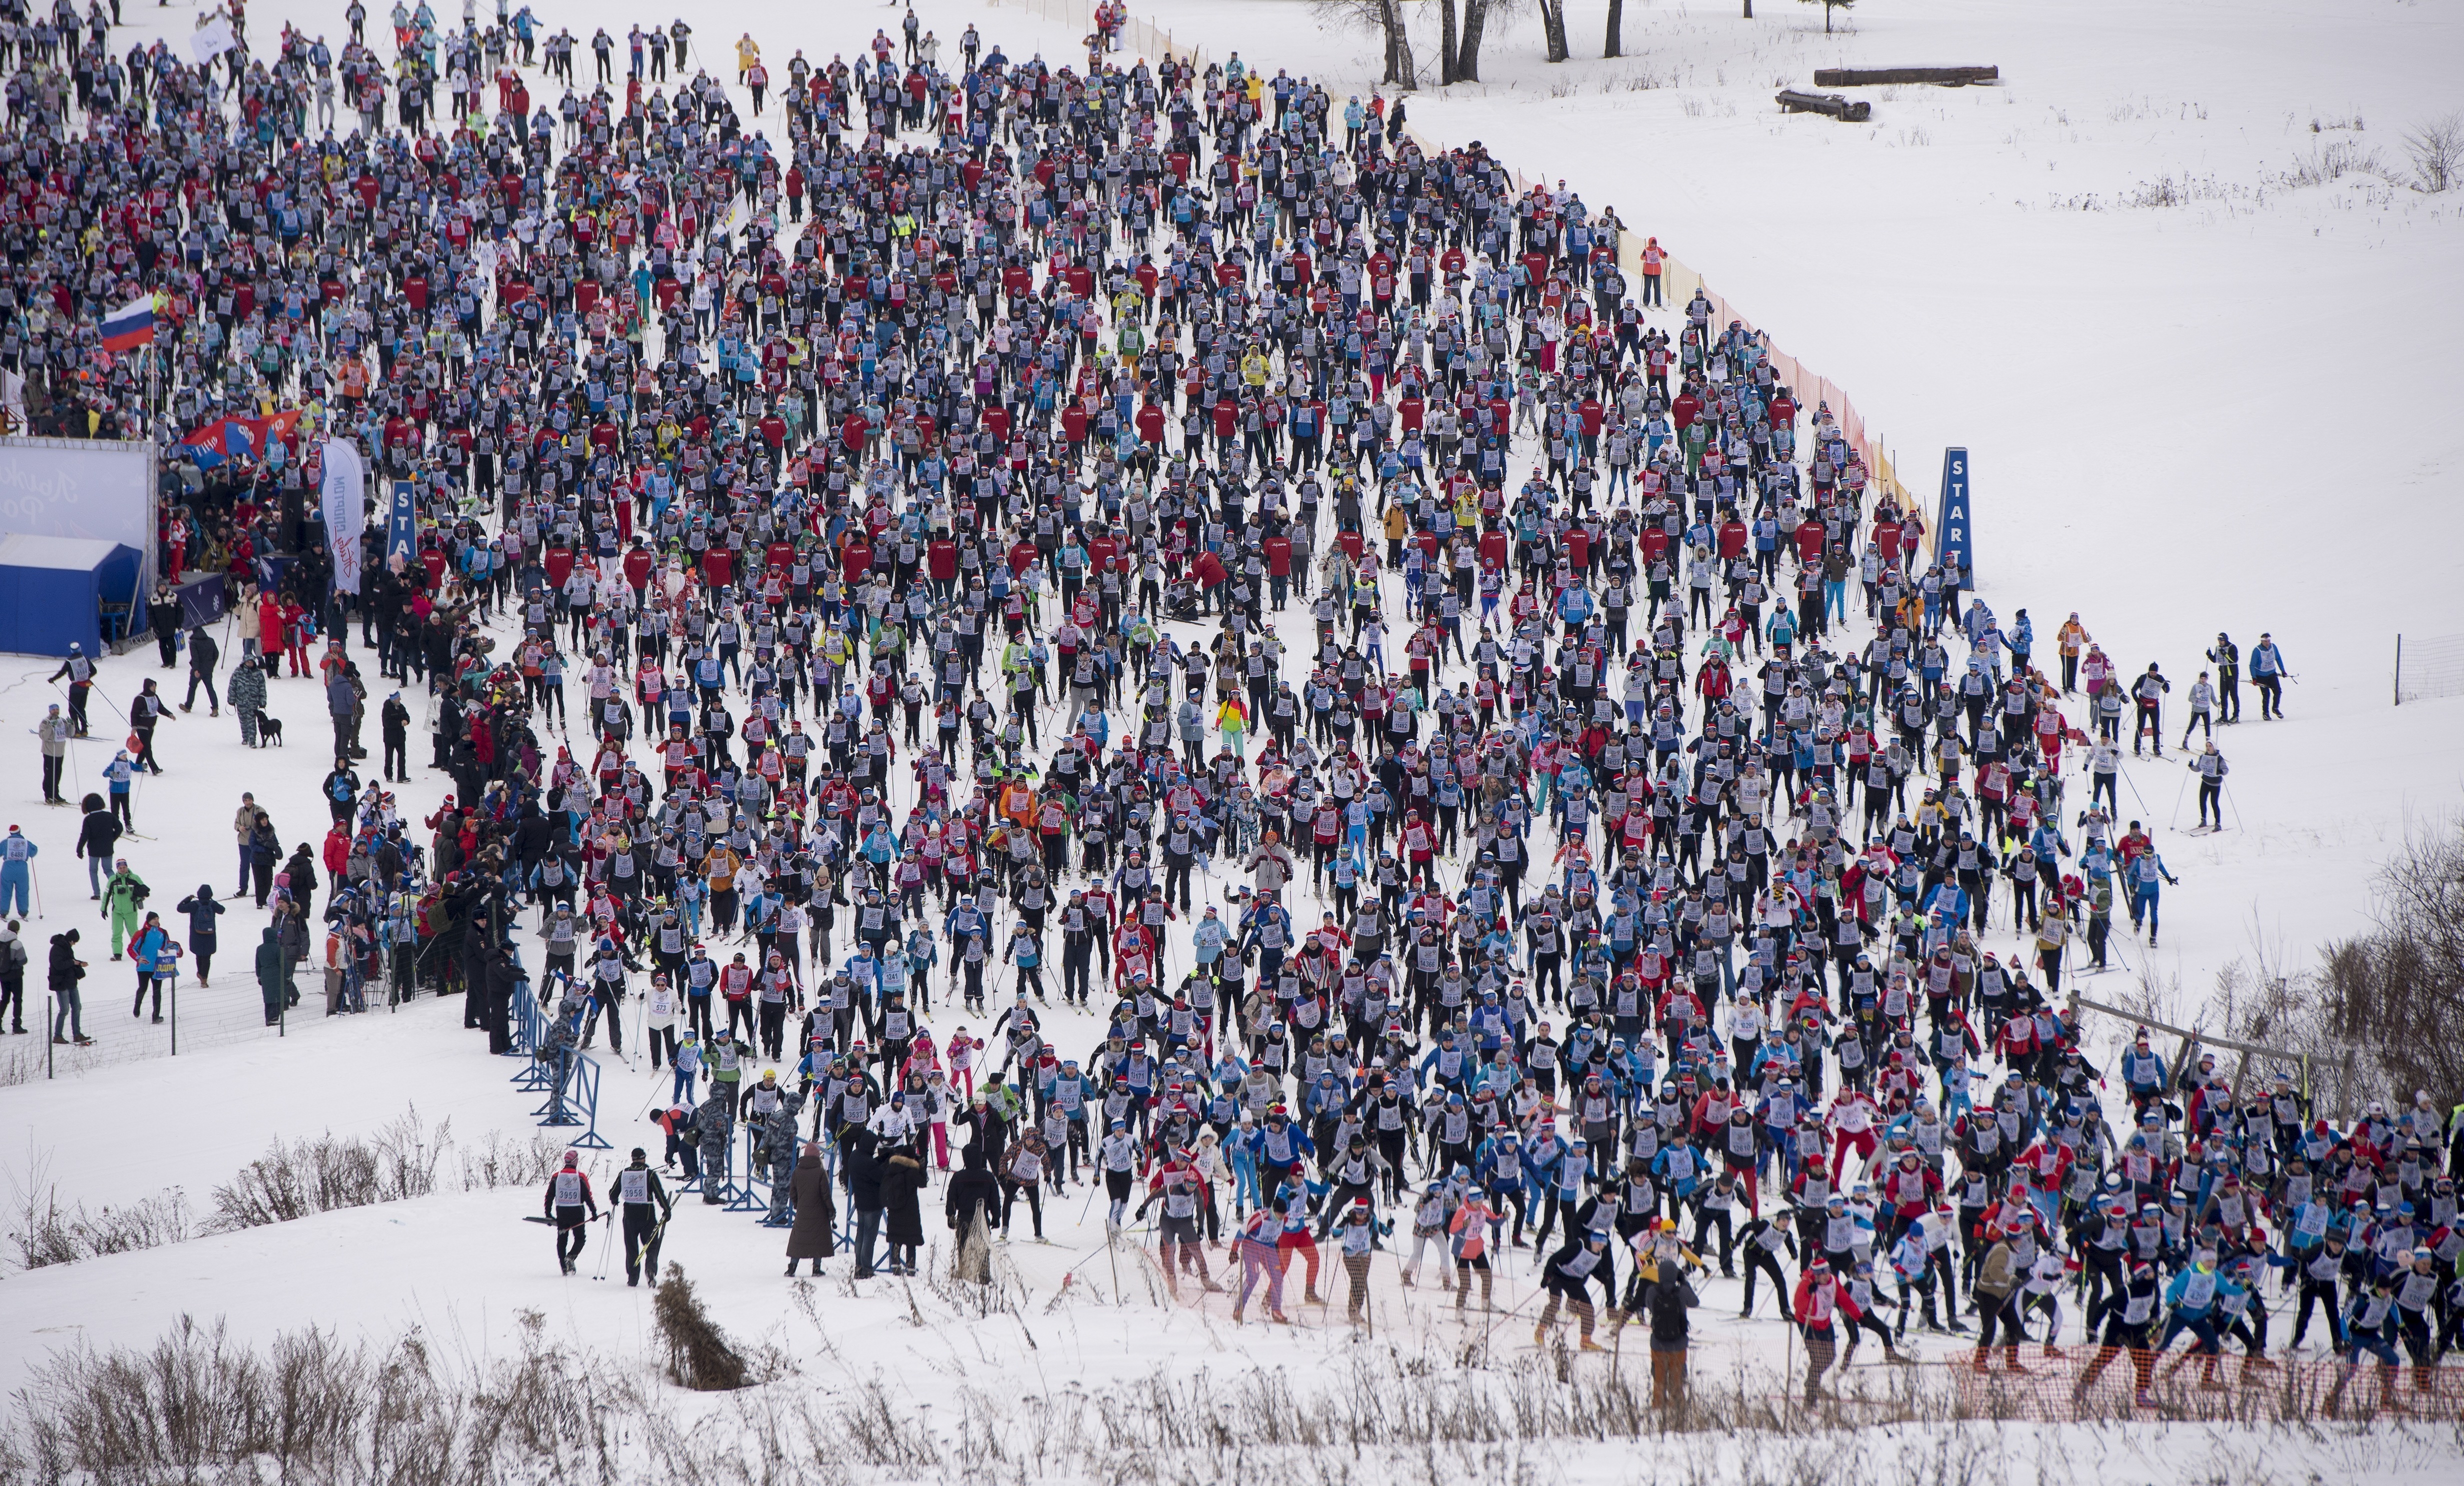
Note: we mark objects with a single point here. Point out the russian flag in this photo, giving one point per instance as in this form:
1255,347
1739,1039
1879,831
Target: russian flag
129,327
225,438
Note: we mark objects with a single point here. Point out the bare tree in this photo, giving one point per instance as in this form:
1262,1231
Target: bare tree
1616,44
1400,69
1447,39
1386,18
1828,6
1553,29
2438,151
1468,55
2382,1015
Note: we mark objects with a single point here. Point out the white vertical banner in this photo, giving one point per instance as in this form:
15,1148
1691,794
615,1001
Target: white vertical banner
345,505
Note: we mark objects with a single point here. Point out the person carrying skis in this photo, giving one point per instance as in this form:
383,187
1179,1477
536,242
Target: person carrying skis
568,1193
640,1193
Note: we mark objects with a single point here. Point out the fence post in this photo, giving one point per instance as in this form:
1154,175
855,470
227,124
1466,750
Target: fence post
2399,670
51,1039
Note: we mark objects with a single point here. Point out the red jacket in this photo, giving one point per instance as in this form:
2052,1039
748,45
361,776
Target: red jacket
1818,1296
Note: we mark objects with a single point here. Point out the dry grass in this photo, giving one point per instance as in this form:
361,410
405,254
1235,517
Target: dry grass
199,1407
291,1180
699,1356
47,1233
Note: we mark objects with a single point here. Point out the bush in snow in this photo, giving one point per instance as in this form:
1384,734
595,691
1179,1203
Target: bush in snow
699,1354
2437,150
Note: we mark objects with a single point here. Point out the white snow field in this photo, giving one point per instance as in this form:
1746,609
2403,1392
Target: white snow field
2228,412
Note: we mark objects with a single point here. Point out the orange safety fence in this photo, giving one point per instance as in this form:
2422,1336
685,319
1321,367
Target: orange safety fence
1141,38
2182,1388
1678,281
1677,285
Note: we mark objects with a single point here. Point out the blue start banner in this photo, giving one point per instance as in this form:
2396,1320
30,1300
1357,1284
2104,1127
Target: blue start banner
1953,529
402,527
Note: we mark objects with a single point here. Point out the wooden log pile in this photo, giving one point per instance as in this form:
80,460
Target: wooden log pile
1872,77
1846,111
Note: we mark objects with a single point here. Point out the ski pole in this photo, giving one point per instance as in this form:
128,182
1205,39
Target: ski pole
607,1240
2134,789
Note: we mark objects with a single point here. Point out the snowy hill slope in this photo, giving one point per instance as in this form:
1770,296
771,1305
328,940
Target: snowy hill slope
2164,404
2218,414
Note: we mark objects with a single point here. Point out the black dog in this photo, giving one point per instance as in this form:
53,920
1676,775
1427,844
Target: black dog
269,729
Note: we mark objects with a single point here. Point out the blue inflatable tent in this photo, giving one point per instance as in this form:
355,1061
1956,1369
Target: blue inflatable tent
52,590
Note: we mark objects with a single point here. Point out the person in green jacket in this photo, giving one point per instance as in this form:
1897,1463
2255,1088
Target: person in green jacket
124,902
273,971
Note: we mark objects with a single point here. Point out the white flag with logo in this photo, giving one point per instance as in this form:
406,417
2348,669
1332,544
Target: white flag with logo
210,40
345,505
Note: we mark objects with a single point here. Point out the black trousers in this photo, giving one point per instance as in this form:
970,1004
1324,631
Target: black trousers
1011,1190
643,1231
1760,1260
2320,1292
2002,1314
571,1236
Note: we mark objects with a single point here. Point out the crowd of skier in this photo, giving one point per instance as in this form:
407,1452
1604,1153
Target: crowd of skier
1479,765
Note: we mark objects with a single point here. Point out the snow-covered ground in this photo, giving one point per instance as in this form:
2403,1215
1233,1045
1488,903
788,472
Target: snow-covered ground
2223,414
